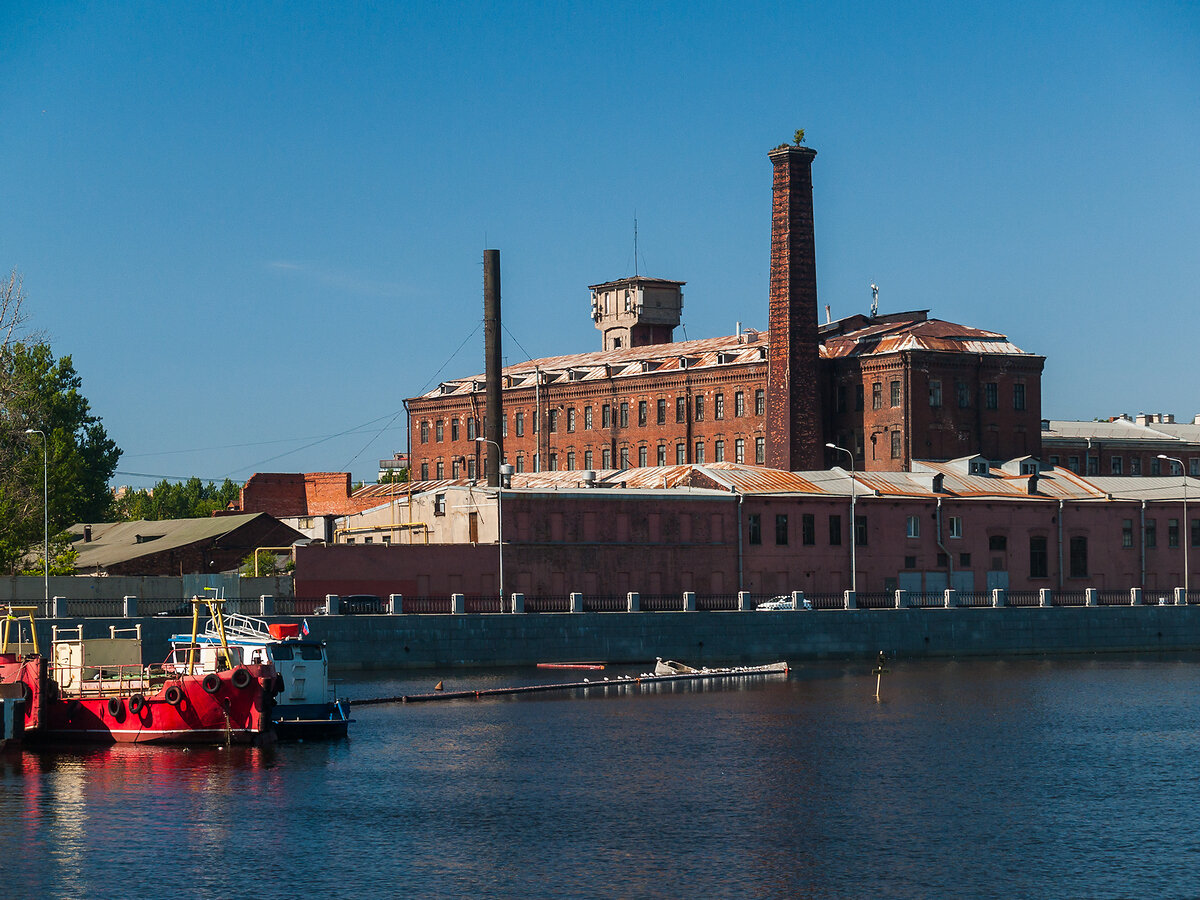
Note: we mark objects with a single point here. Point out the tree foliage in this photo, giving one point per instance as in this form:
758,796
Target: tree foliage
71,465
189,499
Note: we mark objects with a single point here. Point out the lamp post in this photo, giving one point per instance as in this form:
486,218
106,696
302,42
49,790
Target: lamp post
499,511
1186,524
45,508
853,525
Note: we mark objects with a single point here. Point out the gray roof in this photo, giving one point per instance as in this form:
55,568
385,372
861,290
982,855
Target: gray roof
1147,487
118,542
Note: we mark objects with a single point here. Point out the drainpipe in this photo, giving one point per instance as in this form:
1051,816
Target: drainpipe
1060,545
941,546
537,419
739,528
1143,544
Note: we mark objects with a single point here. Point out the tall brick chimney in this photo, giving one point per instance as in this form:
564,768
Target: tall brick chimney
793,426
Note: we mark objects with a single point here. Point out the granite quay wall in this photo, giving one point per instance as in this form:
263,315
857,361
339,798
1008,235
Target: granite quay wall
444,641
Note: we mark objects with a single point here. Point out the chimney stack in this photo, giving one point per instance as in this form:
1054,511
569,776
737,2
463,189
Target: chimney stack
793,426
492,365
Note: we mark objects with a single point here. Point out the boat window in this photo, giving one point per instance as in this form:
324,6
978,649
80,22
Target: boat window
310,652
281,651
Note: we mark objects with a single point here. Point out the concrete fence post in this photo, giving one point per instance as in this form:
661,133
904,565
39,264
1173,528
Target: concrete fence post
633,602
458,604
689,601
1045,597
58,608
576,602
1092,597
901,599
999,597
333,605
1135,597
1180,597
396,604
266,605
518,604
745,601
950,598
129,607
797,600
849,600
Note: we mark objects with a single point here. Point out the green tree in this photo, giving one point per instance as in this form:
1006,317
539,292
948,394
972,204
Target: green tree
268,563
395,476
42,393
191,499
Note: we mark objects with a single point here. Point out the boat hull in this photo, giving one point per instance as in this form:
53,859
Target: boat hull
311,721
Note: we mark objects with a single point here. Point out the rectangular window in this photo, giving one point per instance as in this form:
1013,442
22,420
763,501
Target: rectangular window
643,456
1116,464
424,471
439,430
454,429
587,418
781,528
964,559
963,390
424,432
624,415
1196,532
739,404
913,527
1194,466
643,413
606,416
895,393
662,454
1039,559
471,428
454,464
860,531
718,451
760,402
519,424
760,451
680,409
719,406
910,562
896,451
877,395
699,408
699,457
808,529
1019,399
991,395
858,398
935,392
1079,560
955,527
1172,532
1155,466
1093,465
441,470
553,420
739,450
661,411
606,458
1127,533
571,419
1135,465
1151,533
839,398
754,528
624,457
471,468
680,454
998,543
570,460
835,531
587,459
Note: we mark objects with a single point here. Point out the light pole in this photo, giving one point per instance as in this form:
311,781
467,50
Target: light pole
1186,524
499,510
45,508
853,525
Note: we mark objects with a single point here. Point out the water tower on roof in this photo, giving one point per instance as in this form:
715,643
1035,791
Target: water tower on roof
637,311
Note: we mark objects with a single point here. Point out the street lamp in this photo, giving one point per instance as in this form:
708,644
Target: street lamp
853,525
1186,524
45,508
499,511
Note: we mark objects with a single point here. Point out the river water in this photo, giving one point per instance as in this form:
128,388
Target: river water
983,778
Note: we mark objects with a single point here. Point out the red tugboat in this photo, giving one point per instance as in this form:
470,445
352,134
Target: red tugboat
97,690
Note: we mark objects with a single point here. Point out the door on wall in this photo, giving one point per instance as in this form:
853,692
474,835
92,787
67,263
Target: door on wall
964,581
473,527
997,580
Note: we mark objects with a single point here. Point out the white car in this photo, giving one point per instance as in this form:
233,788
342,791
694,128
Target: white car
783,601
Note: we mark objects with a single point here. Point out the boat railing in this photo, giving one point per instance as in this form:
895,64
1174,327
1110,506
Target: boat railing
240,626
84,680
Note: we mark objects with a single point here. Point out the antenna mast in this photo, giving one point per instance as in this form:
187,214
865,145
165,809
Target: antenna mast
635,247
874,300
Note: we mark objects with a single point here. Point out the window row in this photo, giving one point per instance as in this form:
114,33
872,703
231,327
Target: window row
962,393
1117,465
808,530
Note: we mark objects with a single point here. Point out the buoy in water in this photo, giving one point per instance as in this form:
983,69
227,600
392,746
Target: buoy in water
438,687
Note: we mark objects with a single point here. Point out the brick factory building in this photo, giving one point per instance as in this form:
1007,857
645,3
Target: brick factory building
890,388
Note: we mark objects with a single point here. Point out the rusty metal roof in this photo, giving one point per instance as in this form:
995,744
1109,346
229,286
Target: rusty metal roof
915,332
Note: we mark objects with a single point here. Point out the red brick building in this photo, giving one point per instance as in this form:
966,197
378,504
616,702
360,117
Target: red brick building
890,388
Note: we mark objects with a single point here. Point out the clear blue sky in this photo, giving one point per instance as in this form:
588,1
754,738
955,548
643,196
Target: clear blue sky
256,228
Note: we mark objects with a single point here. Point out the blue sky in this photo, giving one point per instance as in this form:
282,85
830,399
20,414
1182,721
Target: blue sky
257,228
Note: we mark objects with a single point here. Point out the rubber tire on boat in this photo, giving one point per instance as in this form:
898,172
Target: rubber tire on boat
136,702
173,694
241,678
211,682
115,707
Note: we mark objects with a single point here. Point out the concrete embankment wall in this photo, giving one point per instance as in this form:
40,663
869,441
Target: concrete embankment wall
427,641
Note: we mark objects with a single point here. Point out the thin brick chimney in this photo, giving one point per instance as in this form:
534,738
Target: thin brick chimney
793,426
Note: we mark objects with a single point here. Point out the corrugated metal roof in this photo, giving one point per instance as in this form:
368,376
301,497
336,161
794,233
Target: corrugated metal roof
917,333
116,542
1150,488
1116,430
